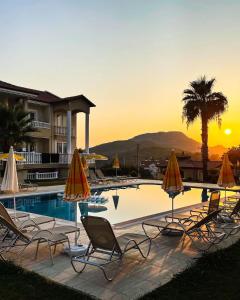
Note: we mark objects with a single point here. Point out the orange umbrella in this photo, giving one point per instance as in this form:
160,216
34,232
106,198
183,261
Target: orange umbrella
77,187
116,164
226,178
172,182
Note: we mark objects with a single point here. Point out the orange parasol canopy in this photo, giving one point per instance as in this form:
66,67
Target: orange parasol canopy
226,178
77,187
172,182
116,163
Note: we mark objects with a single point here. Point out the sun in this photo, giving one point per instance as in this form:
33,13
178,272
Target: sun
228,131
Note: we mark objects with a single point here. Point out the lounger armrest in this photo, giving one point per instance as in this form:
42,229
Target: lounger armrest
29,223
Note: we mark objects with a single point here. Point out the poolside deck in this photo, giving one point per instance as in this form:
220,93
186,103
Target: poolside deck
136,276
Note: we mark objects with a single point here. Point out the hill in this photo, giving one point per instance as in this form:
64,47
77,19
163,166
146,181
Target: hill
157,145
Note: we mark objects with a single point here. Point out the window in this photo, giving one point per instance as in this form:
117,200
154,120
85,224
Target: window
33,115
61,147
59,120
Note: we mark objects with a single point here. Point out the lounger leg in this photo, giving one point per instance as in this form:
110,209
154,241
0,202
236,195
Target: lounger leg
50,252
54,249
88,253
37,248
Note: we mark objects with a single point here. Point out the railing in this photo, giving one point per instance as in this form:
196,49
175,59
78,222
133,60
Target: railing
42,176
31,158
39,124
59,130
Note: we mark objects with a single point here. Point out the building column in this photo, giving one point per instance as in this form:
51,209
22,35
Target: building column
87,132
69,132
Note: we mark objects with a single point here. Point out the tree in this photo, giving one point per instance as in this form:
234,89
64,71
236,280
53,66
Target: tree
15,125
201,102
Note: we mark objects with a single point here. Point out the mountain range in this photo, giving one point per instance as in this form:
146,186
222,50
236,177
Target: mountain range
156,145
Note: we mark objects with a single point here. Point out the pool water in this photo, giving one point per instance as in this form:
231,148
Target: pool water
123,204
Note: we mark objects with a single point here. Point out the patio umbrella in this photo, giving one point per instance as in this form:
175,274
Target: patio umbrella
115,200
4,156
226,178
116,164
77,187
10,179
94,156
172,182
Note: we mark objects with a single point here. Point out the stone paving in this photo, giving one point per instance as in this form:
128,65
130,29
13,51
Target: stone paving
135,277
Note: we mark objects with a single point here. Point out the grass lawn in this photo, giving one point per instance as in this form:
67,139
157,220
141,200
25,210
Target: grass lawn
214,276
17,284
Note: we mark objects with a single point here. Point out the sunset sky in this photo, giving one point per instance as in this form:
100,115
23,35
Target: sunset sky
132,58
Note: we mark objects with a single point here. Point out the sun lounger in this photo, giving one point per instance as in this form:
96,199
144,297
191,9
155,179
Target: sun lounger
29,187
199,213
195,230
231,214
101,176
19,215
20,238
103,241
35,223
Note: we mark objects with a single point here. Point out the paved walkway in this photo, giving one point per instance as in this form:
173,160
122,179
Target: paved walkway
135,277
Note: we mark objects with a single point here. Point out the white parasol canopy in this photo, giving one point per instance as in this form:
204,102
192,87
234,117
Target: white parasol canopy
10,179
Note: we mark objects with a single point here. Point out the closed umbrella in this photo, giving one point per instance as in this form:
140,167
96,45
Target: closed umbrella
77,187
226,178
10,179
116,164
172,182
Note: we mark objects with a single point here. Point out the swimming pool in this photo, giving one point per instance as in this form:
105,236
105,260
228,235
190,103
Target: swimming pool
123,204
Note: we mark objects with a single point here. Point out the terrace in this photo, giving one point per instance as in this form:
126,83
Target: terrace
136,276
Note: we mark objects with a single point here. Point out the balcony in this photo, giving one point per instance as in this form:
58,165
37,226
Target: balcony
42,176
59,130
62,131
32,158
39,124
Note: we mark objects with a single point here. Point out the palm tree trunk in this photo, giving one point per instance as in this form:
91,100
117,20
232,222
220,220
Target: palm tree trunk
205,148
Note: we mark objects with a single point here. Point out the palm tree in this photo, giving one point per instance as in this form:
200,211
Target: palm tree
15,125
201,102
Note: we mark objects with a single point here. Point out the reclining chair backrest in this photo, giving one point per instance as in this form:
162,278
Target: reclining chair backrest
205,220
236,209
4,213
100,233
100,174
214,201
92,175
12,228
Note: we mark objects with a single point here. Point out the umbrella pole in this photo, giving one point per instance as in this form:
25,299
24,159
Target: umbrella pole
225,197
76,223
14,205
172,209
116,172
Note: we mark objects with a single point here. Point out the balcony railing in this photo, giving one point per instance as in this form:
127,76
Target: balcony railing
59,130
32,158
39,124
42,176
